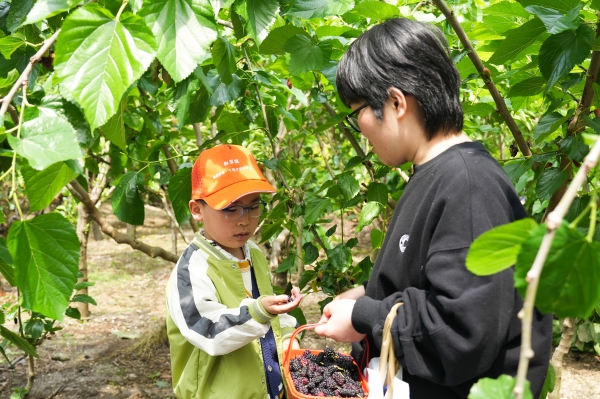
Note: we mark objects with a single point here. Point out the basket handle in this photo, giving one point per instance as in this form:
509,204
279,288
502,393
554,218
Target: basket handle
293,336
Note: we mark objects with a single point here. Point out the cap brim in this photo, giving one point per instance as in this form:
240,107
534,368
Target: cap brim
229,194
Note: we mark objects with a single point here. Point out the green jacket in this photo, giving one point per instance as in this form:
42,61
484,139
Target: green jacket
229,365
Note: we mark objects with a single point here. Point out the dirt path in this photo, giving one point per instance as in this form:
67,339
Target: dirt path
93,359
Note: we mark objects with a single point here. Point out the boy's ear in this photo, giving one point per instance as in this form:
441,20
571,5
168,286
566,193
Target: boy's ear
398,99
196,210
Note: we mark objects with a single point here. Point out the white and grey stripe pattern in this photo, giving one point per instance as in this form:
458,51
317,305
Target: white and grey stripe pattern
201,319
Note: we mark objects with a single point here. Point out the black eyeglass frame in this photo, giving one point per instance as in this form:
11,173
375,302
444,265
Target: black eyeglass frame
351,119
245,209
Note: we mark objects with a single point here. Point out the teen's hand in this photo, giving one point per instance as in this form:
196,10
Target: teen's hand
352,293
336,322
278,304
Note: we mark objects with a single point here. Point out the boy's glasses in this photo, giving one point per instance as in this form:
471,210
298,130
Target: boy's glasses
235,212
352,119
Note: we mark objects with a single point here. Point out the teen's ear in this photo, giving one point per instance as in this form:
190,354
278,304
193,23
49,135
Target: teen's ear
398,100
196,210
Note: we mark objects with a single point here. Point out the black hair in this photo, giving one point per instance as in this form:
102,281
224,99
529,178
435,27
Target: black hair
412,57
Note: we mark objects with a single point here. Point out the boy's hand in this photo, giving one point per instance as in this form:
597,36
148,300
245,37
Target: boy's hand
286,344
278,304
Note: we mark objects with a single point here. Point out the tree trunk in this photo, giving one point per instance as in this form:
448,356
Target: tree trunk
96,231
83,233
174,232
279,279
561,350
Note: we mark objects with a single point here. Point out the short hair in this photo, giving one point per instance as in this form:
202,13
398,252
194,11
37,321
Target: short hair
412,57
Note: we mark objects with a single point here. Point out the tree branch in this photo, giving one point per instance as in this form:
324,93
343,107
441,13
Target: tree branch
154,252
25,74
485,75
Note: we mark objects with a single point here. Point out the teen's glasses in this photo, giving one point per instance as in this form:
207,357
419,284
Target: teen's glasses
352,118
235,212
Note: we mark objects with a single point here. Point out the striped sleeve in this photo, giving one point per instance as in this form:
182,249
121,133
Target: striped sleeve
201,319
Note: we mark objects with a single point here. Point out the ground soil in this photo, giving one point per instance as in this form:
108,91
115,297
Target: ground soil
120,351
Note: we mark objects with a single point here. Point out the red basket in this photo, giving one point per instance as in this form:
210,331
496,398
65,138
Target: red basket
292,392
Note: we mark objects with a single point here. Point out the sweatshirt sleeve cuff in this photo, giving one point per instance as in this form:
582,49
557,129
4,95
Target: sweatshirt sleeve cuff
258,312
365,314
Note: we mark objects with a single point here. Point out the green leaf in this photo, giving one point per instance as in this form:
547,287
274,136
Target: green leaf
43,186
45,141
331,230
184,31
549,382
376,10
83,284
376,238
114,129
479,109
82,298
287,264
348,186
377,192
340,257
232,122
314,209
18,341
17,14
261,15
6,263
45,250
368,213
98,58
223,54
501,388
44,9
273,43
311,253
528,87
7,83
561,5
497,249
308,9
506,9
568,285
18,60
549,182
547,125
560,53
574,147
518,40
180,194
556,21
593,123
515,170
306,55
292,167
269,230
73,313
9,44
127,203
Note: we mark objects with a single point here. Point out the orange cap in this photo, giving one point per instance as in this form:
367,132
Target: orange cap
225,173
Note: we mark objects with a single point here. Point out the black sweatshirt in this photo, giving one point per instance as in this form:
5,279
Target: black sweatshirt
454,327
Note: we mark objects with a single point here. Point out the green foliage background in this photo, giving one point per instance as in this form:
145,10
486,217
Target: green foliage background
128,93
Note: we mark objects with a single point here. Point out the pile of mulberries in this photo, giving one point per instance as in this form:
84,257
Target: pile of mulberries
328,374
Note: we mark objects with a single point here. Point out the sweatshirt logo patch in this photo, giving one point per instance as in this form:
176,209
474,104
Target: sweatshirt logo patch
403,242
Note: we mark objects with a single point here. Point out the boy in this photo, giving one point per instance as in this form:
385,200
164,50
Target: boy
226,329
454,327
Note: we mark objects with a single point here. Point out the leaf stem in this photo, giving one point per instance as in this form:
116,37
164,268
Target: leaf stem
13,192
125,2
593,215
